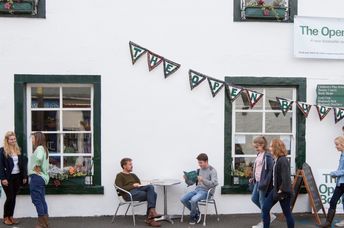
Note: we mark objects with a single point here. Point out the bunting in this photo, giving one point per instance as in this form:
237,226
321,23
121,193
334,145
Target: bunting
338,114
322,111
153,60
215,85
304,108
170,67
233,92
284,104
195,78
253,97
136,51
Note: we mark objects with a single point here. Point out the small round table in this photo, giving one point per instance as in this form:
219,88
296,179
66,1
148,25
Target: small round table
165,183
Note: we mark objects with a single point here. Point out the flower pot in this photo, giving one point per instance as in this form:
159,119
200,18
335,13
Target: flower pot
74,181
264,13
18,7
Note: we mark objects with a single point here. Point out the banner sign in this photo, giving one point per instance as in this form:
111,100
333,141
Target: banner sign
326,186
319,37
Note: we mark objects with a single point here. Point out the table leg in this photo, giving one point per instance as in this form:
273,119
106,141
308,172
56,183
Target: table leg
166,217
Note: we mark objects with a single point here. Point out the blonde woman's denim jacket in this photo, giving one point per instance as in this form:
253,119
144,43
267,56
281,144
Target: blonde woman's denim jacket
339,173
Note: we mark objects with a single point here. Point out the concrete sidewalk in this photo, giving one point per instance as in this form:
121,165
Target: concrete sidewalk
228,221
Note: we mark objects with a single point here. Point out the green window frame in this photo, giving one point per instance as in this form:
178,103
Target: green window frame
300,147
25,8
20,84
247,14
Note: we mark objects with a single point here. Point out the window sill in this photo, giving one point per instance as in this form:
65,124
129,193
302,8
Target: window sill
77,189
235,189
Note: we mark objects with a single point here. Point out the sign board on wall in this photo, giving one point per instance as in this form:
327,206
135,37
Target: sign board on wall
318,37
330,95
326,185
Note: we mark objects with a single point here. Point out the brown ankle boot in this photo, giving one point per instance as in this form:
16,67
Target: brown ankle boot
14,222
7,221
41,222
46,220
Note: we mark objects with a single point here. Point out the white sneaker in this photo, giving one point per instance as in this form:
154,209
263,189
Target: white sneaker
259,225
272,217
340,224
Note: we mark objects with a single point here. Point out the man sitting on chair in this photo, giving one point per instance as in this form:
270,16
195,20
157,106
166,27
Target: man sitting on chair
131,183
206,179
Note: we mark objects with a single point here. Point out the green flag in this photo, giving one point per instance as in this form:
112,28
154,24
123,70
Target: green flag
136,51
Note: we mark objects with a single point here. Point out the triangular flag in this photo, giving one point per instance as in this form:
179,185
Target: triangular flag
253,97
322,111
136,51
233,92
338,114
275,106
170,67
153,60
305,108
215,85
195,78
285,105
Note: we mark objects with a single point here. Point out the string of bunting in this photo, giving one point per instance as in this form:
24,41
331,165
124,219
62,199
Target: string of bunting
232,91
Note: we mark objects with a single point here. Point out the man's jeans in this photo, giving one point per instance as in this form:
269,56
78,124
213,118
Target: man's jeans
145,193
191,199
258,196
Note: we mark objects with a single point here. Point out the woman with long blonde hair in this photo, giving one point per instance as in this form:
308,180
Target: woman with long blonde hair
13,174
281,191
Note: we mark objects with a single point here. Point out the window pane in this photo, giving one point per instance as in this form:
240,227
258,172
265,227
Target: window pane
277,122
76,120
244,145
55,160
45,120
272,93
249,122
53,143
82,164
76,97
45,97
77,143
242,102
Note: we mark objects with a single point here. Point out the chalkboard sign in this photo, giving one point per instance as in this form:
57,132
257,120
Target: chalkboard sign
313,188
305,177
330,95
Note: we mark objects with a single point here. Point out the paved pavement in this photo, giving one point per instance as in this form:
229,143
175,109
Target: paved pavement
228,221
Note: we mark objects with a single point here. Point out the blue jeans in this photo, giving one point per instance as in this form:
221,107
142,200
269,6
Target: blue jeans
145,193
258,196
285,205
190,201
37,192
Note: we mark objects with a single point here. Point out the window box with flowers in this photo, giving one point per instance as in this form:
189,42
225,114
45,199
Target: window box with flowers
18,7
265,10
70,175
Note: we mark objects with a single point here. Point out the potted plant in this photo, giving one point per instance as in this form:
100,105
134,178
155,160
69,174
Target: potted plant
18,7
260,9
70,175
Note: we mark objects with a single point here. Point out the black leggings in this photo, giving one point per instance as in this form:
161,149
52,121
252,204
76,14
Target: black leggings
11,191
338,192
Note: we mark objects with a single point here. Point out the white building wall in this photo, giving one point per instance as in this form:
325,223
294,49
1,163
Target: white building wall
160,123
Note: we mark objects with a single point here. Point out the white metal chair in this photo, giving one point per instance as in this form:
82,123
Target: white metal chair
123,202
209,200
